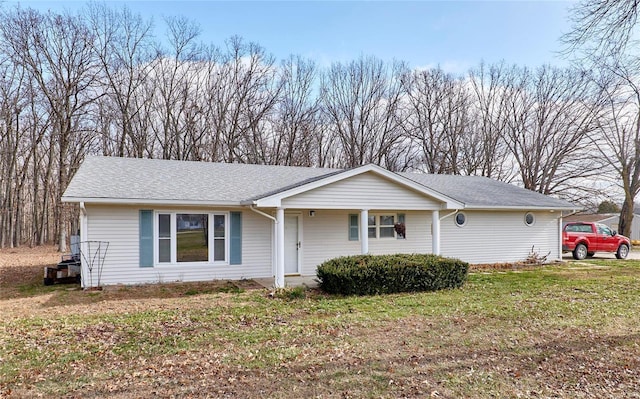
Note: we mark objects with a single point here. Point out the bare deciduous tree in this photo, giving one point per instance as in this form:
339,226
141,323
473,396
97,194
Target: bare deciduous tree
487,153
437,120
549,116
361,100
296,115
55,49
241,92
618,138
122,46
602,27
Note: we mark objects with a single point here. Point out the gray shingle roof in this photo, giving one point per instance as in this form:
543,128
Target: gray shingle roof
483,192
139,180
206,182
589,218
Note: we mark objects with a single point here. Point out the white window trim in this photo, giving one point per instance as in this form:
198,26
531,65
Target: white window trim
455,219
533,215
377,226
174,242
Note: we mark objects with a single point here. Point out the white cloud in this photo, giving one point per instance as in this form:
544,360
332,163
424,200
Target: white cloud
453,67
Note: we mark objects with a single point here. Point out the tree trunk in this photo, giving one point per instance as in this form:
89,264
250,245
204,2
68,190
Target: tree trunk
626,217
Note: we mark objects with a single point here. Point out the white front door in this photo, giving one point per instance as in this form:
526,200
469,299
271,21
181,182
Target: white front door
291,244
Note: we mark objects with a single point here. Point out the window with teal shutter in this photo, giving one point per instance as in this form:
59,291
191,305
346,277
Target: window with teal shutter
354,232
235,238
146,238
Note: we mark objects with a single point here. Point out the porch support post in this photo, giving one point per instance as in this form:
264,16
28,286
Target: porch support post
279,283
560,242
84,237
435,232
364,231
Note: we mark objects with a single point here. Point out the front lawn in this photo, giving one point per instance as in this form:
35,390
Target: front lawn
558,331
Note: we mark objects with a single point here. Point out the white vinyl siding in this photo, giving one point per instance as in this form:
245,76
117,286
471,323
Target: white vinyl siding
119,226
499,236
365,191
325,237
487,237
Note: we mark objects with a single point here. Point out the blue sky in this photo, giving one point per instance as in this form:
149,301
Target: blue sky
453,34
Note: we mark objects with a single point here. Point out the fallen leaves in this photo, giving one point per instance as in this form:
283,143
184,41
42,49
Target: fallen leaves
525,334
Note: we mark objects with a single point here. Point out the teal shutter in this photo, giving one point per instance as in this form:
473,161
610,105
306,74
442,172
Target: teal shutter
146,238
235,243
354,232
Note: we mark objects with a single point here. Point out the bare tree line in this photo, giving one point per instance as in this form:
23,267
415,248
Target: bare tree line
99,82
604,38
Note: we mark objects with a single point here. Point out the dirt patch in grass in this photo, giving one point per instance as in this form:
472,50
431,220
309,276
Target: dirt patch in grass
25,265
23,293
25,256
481,267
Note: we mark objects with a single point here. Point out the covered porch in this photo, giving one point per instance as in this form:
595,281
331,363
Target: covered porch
360,211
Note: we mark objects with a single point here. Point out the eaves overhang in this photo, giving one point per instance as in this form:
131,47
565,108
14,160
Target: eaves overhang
275,199
147,201
519,208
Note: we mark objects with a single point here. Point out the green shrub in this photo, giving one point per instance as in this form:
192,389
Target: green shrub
384,274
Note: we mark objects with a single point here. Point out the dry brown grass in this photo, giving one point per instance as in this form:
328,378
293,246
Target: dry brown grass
567,331
24,265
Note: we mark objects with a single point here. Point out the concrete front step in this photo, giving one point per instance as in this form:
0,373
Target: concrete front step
290,281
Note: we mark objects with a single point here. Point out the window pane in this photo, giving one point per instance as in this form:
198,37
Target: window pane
372,232
353,220
353,234
192,237
529,219
461,219
386,232
218,249
386,220
164,226
218,226
372,220
164,250
353,228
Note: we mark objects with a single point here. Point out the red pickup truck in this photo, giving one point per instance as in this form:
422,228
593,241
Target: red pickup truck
584,239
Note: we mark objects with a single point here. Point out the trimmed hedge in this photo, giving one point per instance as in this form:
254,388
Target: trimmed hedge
384,274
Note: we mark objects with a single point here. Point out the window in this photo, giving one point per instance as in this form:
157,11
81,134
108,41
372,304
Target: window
386,229
354,231
219,233
164,238
373,231
192,237
602,229
378,226
529,219
460,219
578,228
185,238
382,226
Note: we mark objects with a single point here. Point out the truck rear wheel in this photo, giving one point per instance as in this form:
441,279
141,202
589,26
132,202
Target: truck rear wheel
623,251
580,252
